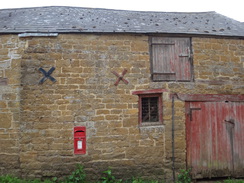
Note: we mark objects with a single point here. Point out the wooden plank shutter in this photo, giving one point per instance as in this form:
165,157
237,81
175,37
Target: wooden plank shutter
183,61
171,59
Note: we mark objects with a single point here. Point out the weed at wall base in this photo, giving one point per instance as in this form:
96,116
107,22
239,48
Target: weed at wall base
184,176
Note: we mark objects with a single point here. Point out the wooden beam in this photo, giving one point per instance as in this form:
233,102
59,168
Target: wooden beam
210,97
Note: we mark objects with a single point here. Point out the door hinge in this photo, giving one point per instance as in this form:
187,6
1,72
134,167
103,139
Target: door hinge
230,121
188,54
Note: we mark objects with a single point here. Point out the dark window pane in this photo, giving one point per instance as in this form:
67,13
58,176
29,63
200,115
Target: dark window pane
150,109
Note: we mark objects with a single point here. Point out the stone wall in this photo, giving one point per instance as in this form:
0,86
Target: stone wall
84,94
10,59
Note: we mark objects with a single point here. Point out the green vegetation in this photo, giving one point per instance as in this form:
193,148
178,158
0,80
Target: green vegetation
79,176
139,180
184,176
11,179
232,181
109,178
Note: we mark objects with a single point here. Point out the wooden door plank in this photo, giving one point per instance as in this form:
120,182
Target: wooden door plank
195,140
237,111
224,144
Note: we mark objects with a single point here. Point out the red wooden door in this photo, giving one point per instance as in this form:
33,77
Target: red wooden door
215,139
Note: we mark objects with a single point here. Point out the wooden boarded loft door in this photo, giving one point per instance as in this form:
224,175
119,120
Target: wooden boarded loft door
171,59
215,139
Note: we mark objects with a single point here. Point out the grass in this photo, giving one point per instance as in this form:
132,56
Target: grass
232,181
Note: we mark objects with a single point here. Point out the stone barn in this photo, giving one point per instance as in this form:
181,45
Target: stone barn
144,93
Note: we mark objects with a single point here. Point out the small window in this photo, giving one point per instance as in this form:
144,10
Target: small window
150,107
171,59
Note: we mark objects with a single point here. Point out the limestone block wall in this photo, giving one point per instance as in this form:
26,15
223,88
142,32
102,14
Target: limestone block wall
84,94
10,59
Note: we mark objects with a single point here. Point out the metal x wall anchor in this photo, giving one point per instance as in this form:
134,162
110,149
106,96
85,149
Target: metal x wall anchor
120,77
47,75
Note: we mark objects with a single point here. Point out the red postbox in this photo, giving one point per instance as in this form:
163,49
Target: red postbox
80,140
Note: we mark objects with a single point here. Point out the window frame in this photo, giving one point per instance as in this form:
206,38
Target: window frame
149,94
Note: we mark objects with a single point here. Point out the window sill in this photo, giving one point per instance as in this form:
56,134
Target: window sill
147,124
148,129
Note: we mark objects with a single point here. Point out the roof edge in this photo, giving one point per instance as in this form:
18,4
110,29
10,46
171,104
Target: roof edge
175,12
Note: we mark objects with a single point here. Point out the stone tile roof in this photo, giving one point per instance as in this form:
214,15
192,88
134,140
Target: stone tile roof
58,19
